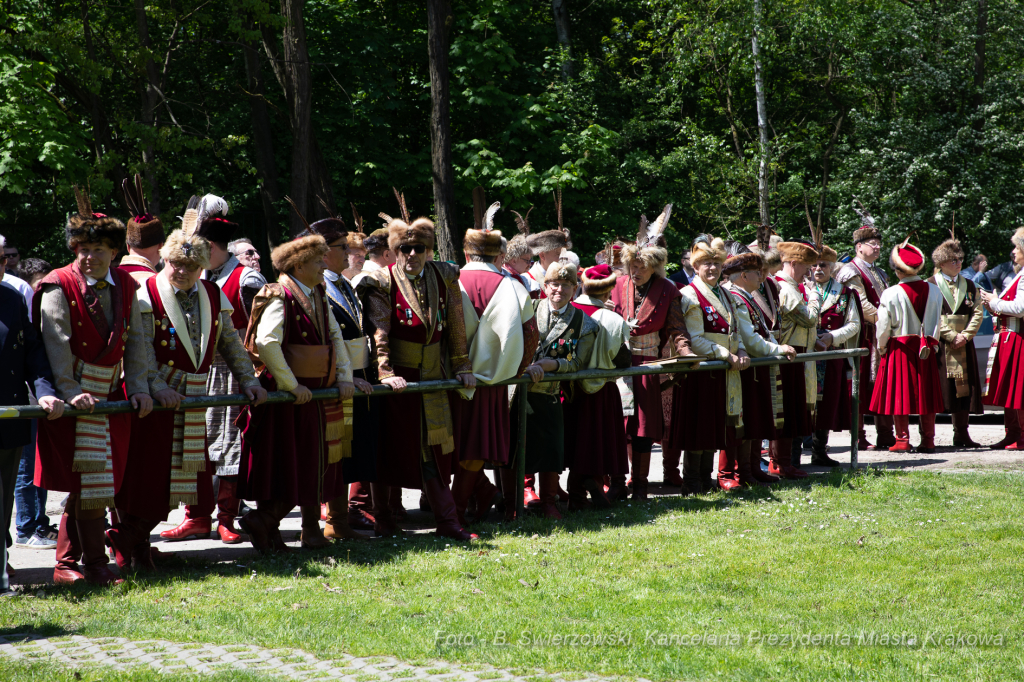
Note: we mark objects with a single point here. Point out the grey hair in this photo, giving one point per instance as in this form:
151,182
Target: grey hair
504,246
474,258
233,245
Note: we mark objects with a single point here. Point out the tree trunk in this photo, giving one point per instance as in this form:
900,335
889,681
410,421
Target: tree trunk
263,142
762,122
438,24
979,58
296,66
150,101
560,10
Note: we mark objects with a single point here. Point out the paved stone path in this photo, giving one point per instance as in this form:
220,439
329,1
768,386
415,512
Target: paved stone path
293,664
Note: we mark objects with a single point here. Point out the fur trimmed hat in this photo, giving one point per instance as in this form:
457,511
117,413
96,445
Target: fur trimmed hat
331,229
517,248
549,240
907,258
828,254
1018,238
378,239
286,257
484,240
217,230
190,251
742,263
947,251
86,227
797,252
562,272
356,241
651,256
866,233
707,248
421,231
599,280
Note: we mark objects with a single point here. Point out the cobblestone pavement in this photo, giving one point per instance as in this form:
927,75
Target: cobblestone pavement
293,664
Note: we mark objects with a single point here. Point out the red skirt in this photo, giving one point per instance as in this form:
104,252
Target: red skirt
699,421
284,452
797,417
1006,386
758,411
595,442
55,450
906,384
646,421
481,425
399,455
146,490
834,406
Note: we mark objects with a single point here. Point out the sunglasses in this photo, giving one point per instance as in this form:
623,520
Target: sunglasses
408,249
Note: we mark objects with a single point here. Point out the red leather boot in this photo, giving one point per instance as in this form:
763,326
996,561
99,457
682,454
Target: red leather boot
360,505
927,434
69,552
901,424
754,464
130,532
95,564
728,477
227,509
1012,424
462,488
443,505
193,527
549,495
781,453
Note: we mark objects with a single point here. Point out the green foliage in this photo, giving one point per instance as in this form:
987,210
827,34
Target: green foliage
883,93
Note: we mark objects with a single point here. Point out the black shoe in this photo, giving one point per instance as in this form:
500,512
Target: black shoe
824,461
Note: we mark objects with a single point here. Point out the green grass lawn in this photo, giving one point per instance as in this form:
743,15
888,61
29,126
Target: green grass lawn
908,573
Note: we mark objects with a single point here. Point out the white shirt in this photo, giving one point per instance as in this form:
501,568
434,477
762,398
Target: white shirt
305,290
22,287
195,288
91,281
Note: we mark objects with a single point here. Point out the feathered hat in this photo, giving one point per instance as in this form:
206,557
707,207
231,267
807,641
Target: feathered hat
612,254
331,228
825,253
211,227
144,229
867,230
562,272
550,240
483,239
650,247
403,210
707,248
948,250
420,231
518,246
88,227
906,258
186,246
599,280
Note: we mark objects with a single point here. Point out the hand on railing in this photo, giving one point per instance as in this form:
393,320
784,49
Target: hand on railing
168,397
396,383
302,394
363,385
143,403
789,352
468,380
54,406
83,401
346,389
257,395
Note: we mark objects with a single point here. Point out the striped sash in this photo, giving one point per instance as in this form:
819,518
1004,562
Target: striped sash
338,415
188,440
93,455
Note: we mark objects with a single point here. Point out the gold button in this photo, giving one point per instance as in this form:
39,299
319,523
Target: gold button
79,324
216,322
74,303
84,343
297,317
342,326
170,363
163,343
303,333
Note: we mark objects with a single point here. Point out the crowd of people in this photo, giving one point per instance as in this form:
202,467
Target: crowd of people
192,313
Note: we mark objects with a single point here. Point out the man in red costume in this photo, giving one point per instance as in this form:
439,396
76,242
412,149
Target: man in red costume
869,281
145,234
650,304
184,320
908,340
502,335
415,308
89,317
240,285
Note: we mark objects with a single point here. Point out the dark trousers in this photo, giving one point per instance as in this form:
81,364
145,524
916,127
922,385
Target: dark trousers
9,459
29,501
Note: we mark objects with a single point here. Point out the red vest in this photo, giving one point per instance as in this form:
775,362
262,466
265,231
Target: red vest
301,330
233,291
835,316
714,323
405,324
917,292
653,311
869,288
92,339
178,357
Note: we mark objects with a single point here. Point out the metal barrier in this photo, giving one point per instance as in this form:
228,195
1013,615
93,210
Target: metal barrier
382,390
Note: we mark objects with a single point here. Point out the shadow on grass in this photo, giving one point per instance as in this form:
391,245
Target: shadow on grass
241,560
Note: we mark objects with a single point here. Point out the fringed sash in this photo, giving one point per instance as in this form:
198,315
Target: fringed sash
93,454
188,440
338,415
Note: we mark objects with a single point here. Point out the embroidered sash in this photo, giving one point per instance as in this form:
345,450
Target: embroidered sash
188,438
93,457
730,341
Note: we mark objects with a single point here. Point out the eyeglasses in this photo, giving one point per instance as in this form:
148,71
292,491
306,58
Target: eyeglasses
874,243
250,254
408,249
338,246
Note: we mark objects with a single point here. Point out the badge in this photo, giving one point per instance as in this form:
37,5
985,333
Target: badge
174,341
561,342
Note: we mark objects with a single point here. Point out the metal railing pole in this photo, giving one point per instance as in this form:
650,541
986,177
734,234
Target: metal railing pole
521,454
202,402
855,416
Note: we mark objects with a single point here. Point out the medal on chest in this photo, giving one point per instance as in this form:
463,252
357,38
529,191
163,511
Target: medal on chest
711,313
174,340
